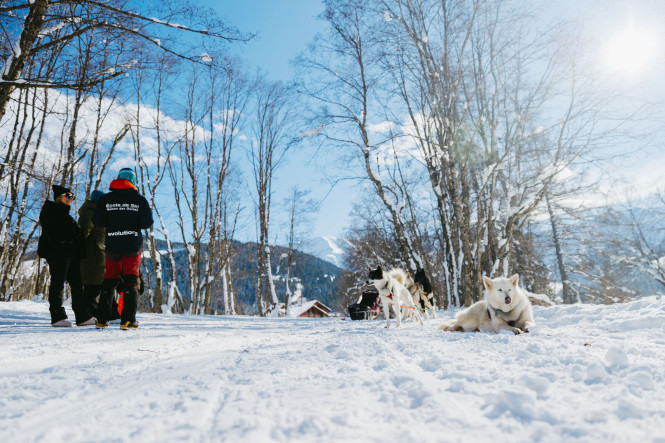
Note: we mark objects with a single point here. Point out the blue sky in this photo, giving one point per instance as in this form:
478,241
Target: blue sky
284,28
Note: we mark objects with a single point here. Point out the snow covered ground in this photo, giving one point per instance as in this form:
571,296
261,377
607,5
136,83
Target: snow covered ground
585,373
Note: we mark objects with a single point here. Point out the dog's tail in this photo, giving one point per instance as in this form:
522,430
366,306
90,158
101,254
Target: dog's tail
398,274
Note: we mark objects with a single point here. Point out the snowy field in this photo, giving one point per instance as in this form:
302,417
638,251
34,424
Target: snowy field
585,373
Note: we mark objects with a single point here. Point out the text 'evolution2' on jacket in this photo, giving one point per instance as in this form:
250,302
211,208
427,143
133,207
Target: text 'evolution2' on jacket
124,213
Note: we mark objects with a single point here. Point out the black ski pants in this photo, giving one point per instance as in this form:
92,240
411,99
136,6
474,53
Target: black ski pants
107,309
66,268
91,293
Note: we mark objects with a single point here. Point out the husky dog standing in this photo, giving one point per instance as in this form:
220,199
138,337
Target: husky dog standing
392,291
421,291
505,307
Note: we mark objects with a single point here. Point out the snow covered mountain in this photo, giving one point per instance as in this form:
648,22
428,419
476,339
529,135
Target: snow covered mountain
330,249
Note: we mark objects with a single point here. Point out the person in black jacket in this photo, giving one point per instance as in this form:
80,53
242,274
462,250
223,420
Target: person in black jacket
61,244
124,213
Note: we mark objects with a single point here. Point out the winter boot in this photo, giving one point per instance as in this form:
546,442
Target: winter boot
129,325
101,324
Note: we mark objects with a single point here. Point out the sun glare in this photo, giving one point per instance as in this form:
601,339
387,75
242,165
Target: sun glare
631,51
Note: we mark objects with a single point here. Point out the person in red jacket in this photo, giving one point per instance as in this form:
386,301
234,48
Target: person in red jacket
124,213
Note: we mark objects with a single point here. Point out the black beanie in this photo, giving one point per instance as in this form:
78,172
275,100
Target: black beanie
58,191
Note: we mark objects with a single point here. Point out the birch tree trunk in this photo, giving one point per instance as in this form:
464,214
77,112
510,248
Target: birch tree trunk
273,139
21,51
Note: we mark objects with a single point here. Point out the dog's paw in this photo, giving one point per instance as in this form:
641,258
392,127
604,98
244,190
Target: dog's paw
517,331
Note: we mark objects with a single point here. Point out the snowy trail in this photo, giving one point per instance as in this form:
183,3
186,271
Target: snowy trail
586,373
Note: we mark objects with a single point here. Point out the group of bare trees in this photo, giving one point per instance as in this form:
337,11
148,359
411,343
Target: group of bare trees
91,86
184,156
467,118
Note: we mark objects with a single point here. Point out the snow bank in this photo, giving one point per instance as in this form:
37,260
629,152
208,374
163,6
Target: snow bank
585,373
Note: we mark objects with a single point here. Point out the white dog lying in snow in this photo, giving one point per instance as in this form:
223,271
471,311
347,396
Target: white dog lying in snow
505,307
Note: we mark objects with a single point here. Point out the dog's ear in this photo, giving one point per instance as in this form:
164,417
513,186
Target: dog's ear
408,275
378,268
488,282
515,279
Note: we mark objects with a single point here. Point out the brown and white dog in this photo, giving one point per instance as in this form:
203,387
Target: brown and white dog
505,307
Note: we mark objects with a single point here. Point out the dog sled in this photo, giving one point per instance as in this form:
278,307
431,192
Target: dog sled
368,306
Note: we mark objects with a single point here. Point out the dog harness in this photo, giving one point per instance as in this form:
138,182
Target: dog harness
390,295
498,313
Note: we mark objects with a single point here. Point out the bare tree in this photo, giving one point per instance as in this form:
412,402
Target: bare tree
152,168
272,138
27,172
300,209
188,174
107,101
229,98
198,169
348,86
37,26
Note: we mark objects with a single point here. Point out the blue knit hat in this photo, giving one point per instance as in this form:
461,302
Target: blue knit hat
127,174
95,195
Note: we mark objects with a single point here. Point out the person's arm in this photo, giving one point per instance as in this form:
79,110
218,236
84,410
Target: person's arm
99,217
46,220
145,215
99,237
85,222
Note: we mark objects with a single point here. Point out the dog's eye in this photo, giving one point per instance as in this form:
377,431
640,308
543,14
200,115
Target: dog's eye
500,290
509,290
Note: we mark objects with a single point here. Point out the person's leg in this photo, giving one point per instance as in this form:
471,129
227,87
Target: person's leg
130,271
79,302
58,270
129,299
91,294
107,294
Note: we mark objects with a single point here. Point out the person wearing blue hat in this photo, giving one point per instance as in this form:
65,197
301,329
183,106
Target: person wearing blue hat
127,174
124,213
